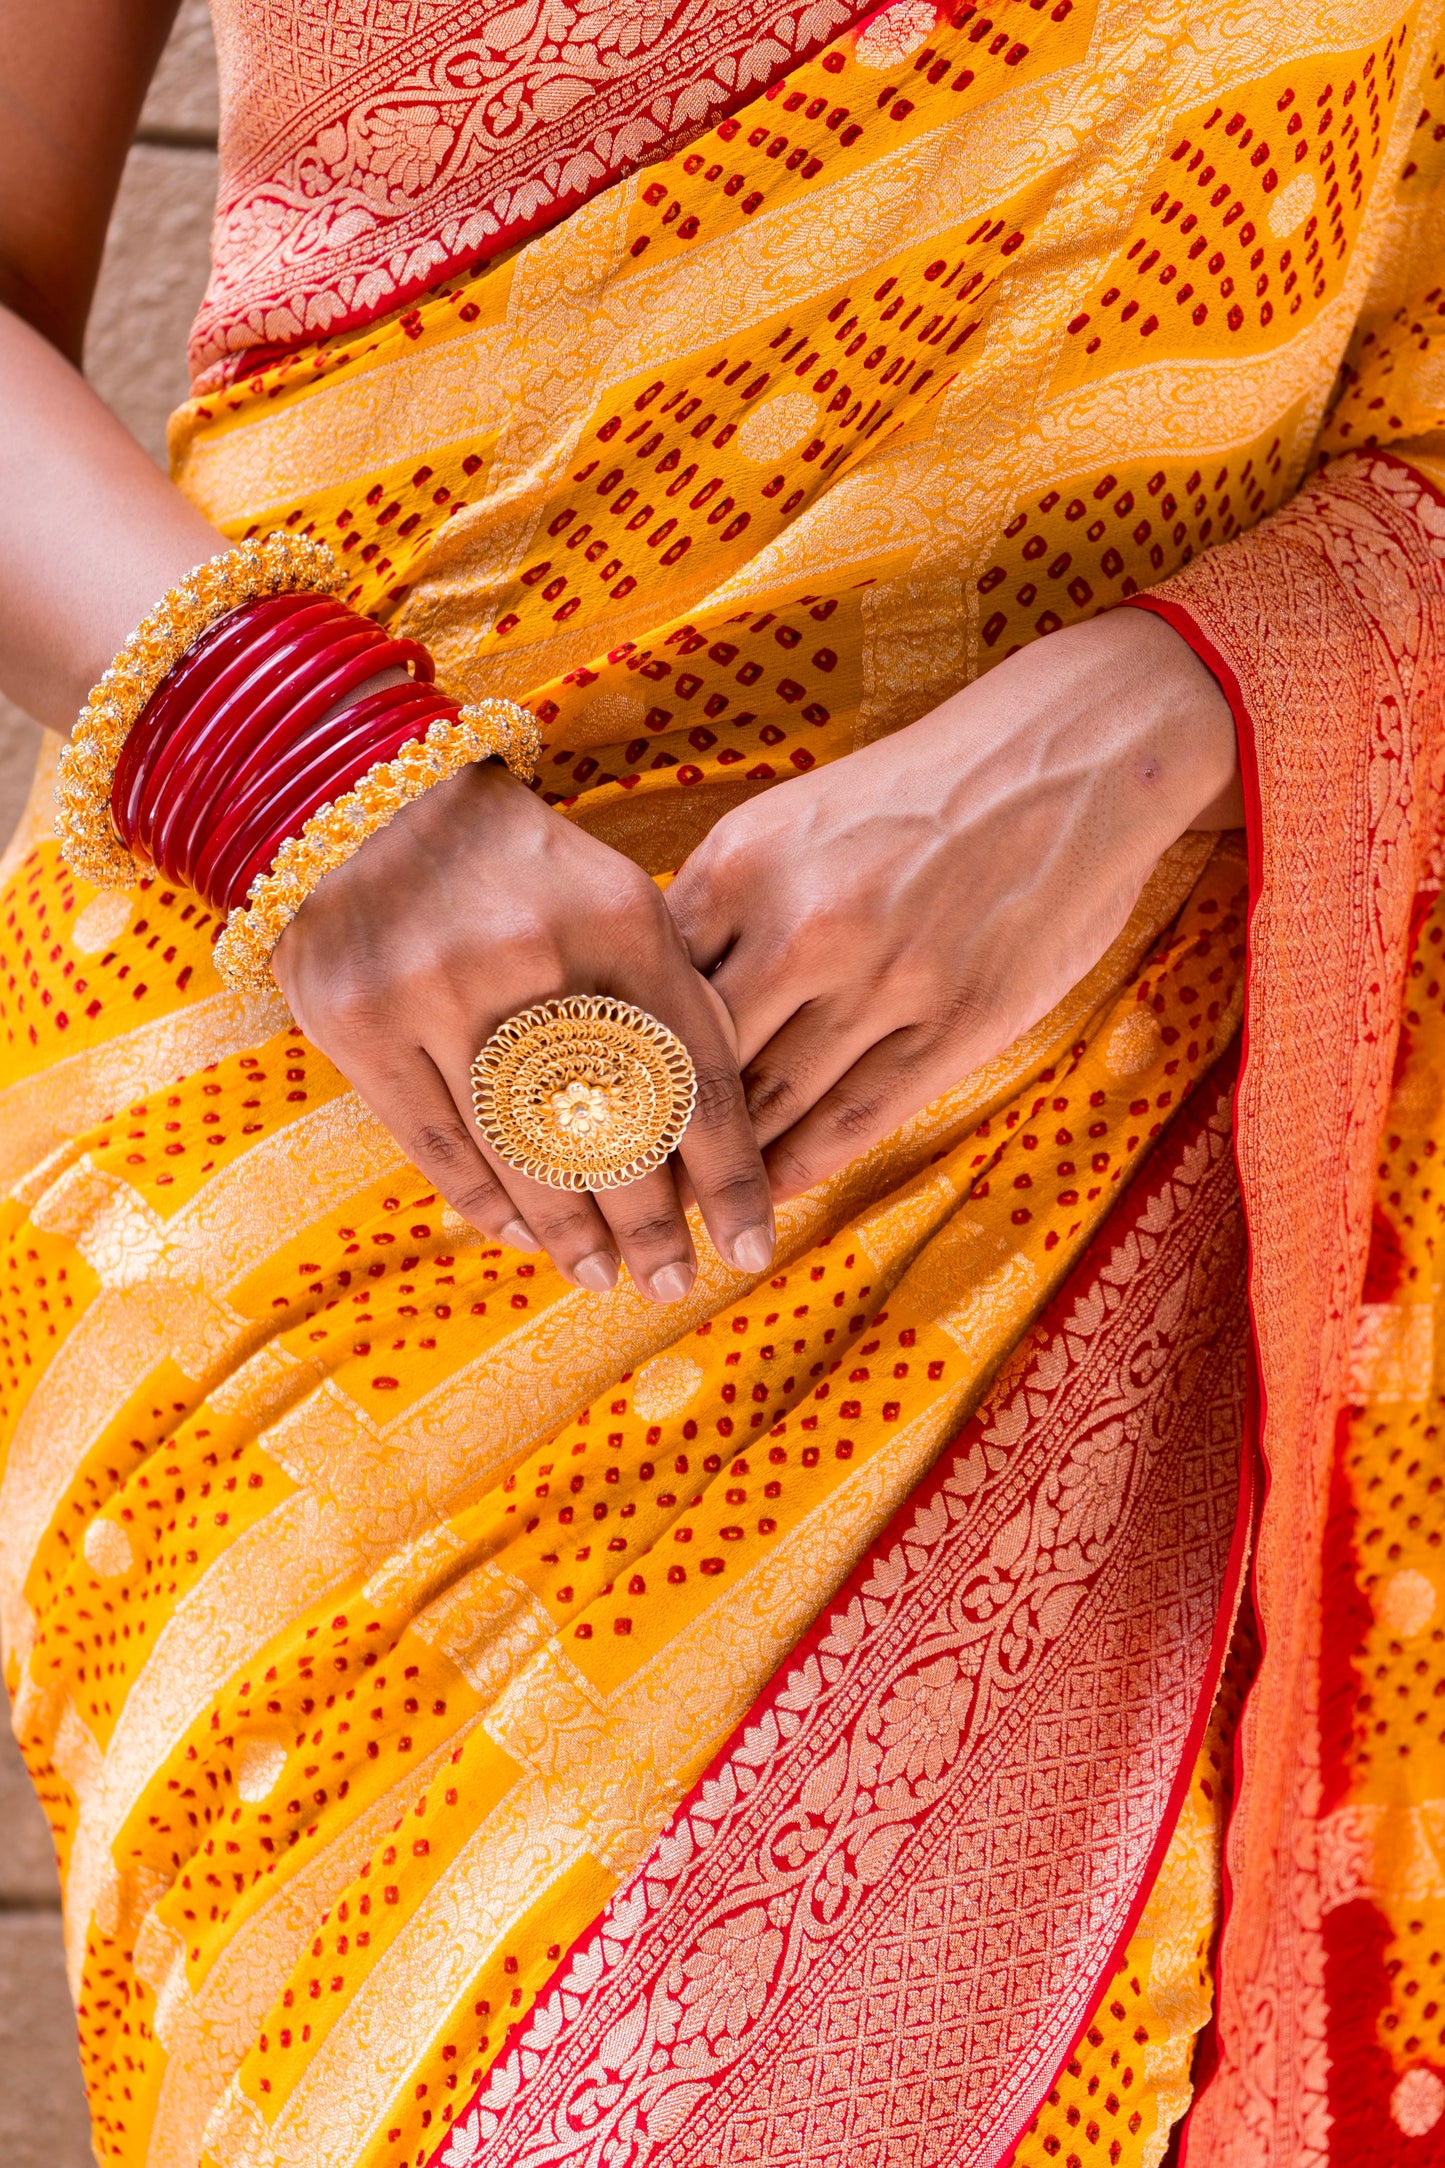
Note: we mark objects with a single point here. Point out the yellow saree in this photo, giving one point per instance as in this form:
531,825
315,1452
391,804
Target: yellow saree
371,1598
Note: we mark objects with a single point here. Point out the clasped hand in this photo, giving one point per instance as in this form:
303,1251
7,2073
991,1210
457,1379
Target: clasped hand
835,954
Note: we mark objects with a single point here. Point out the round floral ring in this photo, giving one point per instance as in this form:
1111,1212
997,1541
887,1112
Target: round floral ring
583,1093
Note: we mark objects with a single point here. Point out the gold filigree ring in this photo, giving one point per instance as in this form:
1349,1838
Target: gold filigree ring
583,1093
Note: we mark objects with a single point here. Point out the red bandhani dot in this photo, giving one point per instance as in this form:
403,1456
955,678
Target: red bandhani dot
712,1565
384,1385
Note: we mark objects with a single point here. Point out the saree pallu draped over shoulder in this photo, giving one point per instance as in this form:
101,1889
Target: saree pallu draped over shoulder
483,1722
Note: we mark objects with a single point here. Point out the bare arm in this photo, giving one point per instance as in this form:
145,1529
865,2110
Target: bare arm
477,900
91,534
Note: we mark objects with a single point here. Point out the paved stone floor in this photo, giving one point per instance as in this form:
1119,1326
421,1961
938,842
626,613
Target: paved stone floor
154,271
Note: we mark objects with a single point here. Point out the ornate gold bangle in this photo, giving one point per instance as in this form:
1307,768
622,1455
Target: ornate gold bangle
584,1093
490,729
276,564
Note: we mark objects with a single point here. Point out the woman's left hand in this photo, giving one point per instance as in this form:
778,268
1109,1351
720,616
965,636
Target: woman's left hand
881,926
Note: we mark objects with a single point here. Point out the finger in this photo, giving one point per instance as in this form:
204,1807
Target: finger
882,1089
412,1099
719,1149
650,1227
763,987
585,1232
814,1049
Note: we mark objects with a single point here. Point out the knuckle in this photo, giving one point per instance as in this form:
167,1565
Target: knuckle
563,1228
737,1197
444,1144
855,1114
649,1230
769,1096
476,1200
719,1098
793,1170
961,1007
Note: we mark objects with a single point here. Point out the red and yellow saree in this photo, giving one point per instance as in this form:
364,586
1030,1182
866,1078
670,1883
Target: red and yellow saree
483,1722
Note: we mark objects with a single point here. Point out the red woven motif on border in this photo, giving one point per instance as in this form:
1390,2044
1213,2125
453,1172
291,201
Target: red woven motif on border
369,151
877,1925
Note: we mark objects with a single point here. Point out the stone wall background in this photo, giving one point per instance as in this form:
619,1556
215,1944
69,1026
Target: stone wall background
150,284
156,260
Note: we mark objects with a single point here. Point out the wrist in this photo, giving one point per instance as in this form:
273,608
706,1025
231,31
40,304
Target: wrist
1171,736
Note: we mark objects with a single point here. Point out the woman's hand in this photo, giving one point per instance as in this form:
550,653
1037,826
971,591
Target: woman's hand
477,901
883,925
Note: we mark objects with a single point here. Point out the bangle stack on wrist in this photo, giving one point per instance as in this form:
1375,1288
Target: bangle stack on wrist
230,746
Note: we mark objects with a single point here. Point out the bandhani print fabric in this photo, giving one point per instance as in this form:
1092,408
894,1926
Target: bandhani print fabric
421,1659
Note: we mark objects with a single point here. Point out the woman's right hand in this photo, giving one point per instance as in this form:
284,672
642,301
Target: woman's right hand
478,900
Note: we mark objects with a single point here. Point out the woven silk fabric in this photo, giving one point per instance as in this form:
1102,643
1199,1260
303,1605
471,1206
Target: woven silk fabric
868,1931
1330,1966
949,340
372,1597
366,150
748,461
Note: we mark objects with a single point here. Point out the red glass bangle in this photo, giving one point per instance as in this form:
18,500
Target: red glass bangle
379,727
255,729
229,710
326,789
337,682
256,762
390,720
182,684
253,783
243,823
148,794
252,749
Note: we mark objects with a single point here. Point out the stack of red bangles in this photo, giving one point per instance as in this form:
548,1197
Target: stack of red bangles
233,748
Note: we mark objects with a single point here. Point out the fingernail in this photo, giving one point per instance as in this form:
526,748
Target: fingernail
518,1236
599,1272
753,1249
672,1283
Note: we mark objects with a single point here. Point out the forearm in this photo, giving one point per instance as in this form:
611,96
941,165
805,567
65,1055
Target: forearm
91,533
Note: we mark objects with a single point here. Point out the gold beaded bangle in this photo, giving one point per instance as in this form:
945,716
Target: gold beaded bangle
275,564
491,729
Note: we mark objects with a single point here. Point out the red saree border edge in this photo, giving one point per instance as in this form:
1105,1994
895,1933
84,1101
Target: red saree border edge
1344,771
1192,632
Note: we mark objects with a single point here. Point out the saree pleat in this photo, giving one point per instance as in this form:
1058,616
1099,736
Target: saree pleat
373,1602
